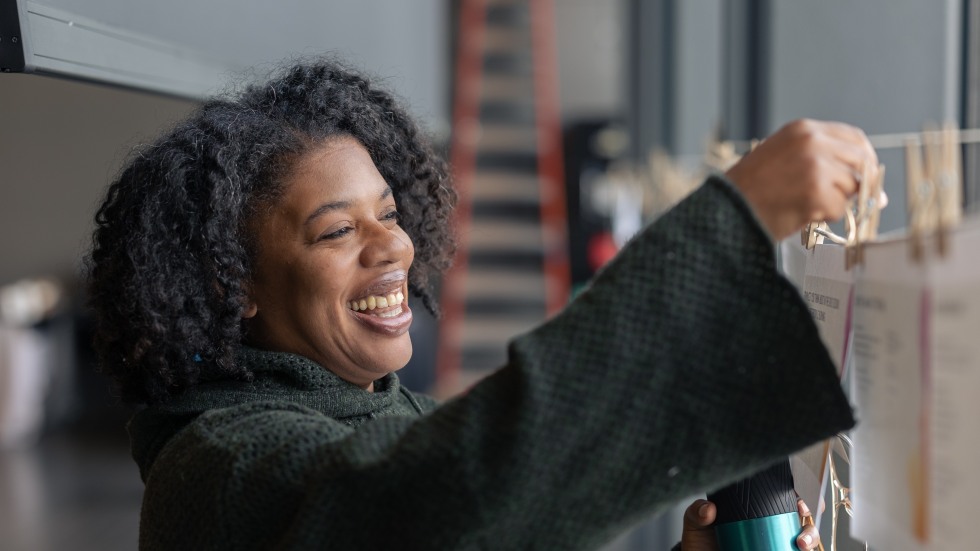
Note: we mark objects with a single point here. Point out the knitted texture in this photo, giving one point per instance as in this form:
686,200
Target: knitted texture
679,370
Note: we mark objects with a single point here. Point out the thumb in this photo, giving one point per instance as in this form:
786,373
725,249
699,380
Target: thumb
699,534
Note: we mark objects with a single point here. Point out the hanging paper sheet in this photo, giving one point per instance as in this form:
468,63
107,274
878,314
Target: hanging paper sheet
828,290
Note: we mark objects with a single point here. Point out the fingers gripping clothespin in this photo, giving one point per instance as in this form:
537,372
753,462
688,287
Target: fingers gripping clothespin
861,218
862,215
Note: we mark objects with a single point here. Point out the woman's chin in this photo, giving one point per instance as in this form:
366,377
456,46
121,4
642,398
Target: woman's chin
392,356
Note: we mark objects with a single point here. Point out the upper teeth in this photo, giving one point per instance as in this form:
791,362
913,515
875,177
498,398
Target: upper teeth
380,301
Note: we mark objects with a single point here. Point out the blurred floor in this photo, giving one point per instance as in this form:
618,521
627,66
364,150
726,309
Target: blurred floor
70,491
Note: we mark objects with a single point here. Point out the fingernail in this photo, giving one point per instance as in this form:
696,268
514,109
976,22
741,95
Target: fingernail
703,511
807,540
804,508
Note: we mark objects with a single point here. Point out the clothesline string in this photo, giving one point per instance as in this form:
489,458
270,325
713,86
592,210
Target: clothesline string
896,140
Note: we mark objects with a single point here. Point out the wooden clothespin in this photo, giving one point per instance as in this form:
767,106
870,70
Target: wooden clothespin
949,186
920,192
934,188
863,214
811,235
816,232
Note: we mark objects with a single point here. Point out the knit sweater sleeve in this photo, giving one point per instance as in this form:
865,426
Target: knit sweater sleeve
680,369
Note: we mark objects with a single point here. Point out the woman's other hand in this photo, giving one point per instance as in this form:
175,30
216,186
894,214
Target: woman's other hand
699,532
806,171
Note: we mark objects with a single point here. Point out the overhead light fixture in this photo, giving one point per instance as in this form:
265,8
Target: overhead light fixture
35,38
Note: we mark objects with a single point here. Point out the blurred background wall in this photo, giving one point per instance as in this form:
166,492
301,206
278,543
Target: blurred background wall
62,141
633,76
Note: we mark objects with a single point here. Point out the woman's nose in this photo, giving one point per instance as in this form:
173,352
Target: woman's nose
385,245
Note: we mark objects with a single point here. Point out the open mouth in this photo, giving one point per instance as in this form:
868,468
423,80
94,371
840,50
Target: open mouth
385,305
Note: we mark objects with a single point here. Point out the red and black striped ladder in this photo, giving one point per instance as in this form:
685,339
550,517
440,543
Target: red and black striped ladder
512,270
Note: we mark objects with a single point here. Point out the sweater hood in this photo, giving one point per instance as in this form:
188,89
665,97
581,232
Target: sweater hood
276,377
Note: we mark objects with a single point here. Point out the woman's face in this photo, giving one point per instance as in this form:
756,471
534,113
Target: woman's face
331,274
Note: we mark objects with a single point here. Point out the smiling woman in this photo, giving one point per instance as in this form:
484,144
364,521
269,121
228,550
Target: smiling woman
238,184
251,274
332,240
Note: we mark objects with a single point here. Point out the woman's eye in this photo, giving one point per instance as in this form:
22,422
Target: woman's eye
338,233
391,216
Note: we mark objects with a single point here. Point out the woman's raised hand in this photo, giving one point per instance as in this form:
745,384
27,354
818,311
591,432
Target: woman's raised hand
806,171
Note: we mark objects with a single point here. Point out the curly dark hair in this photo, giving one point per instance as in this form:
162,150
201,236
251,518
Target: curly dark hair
171,253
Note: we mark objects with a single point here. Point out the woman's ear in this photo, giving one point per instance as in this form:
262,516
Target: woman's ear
251,308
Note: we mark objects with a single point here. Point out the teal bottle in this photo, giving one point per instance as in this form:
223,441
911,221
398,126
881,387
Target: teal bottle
772,533
758,513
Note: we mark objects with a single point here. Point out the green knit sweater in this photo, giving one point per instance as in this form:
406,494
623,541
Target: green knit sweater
680,369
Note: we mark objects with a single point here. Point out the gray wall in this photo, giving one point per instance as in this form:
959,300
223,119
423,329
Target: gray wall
400,40
674,75
697,61
590,46
883,65
60,143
